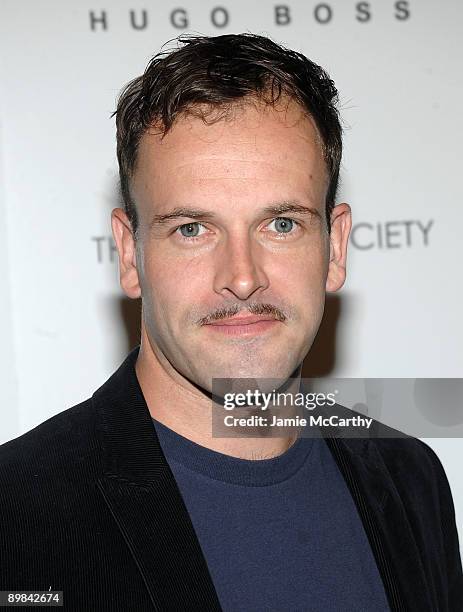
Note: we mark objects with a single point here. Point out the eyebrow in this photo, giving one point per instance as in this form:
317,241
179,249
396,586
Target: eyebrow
198,213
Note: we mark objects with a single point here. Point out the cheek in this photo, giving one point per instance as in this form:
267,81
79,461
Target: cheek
169,287
304,272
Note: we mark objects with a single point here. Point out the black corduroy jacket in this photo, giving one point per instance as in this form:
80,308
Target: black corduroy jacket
89,506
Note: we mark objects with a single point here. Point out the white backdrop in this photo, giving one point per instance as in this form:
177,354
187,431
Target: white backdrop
397,66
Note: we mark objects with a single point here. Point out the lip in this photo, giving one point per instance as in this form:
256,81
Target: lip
243,326
242,320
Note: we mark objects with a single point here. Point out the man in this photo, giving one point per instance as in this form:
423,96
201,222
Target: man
229,151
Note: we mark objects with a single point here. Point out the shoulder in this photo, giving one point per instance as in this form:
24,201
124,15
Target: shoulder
410,456
405,457
412,465
418,476
409,451
64,440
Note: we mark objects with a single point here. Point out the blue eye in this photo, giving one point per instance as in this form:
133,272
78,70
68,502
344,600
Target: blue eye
283,225
190,229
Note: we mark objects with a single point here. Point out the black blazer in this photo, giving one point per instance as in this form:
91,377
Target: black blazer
89,506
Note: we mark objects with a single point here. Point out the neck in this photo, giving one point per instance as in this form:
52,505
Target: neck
178,404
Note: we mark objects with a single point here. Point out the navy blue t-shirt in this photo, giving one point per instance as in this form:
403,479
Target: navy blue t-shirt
280,534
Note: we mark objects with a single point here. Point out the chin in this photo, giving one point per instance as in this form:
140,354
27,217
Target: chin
275,370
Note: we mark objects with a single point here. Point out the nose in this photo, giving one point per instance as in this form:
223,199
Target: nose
239,268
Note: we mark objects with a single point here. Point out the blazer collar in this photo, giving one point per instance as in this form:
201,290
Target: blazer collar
141,492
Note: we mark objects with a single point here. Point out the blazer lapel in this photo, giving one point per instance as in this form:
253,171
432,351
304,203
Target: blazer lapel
141,493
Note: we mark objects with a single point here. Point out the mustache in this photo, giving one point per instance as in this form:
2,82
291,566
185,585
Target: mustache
254,308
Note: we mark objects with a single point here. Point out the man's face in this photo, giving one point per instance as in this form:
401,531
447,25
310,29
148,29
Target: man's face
235,258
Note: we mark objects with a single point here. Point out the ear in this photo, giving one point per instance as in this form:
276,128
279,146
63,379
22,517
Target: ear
341,223
125,243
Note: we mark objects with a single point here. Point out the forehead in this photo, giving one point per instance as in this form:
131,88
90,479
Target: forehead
253,147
